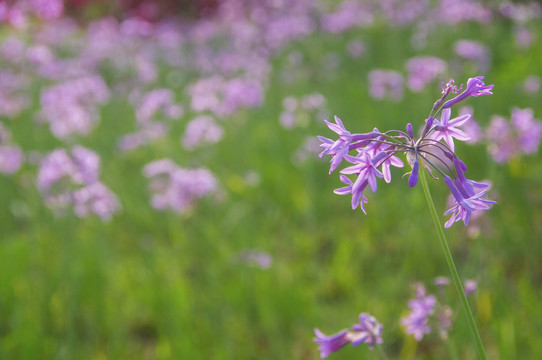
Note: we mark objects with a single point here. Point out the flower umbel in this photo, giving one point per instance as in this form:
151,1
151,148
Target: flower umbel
434,150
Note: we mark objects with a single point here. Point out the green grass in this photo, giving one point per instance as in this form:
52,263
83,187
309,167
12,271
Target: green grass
155,285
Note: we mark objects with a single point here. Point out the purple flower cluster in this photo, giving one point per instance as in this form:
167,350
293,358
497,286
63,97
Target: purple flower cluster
71,107
521,135
201,130
427,312
367,331
177,189
72,179
421,308
375,152
424,69
474,51
11,156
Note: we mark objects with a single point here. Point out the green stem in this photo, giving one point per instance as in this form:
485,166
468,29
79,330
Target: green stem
453,270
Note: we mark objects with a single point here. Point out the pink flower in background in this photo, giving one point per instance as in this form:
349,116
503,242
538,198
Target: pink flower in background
72,107
201,130
521,135
71,178
177,189
347,15
386,84
95,198
11,159
532,84
474,51
424,69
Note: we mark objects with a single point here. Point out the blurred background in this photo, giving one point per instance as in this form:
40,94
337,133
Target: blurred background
162,195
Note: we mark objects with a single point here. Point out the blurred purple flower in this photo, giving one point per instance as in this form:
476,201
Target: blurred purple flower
386,84
328,344
72,178
475,51
422,70
95,198
348,14
506,140
71,107
201,129
470,286
532,84
367,331
175,188
528,128
11,159
421,308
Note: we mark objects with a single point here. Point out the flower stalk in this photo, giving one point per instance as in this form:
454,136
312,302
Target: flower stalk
453,269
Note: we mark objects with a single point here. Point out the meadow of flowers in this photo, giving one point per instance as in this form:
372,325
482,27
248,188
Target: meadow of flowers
165,189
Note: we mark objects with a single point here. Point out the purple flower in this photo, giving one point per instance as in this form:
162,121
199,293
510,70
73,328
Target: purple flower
528,128
201,129
95,198
11,159
175,188
507,140
68,178
422,70
466,199
339,148
386,84
501,143
532,84
375,153
421,308
475,87
328,344
447,129
470,286
367,331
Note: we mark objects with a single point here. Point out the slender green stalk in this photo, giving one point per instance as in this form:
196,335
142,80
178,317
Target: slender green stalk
453,270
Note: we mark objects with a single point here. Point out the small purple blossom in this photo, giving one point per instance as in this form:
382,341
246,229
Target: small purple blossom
470,286
367,331
475,87
421,308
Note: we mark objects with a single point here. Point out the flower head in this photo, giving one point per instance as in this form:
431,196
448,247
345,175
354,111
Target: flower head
434,150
